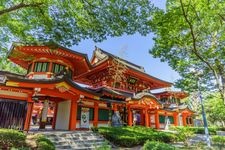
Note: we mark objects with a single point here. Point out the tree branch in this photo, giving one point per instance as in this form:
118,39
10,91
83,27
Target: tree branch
19,6
194,50
222,17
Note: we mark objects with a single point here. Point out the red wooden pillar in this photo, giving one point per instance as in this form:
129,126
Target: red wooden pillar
184,116
95,123
55,115
129,116
73,115
146,118
175,118
156,120
29,113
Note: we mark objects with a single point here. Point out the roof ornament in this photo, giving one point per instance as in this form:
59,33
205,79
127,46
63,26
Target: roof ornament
96,48
3,78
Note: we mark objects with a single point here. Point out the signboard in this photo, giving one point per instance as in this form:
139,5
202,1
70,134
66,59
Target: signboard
84,119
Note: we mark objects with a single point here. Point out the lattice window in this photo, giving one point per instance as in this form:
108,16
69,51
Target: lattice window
41,66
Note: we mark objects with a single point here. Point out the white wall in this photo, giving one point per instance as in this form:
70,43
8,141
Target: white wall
63,115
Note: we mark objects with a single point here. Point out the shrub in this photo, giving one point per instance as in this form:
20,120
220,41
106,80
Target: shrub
218,139
165,137
127,141
104,146
132,136
94,129
11,138
201,130
44,144
221,129
154,145
183,134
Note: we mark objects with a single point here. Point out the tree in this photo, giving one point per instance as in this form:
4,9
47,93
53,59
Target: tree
68,22
189,35
215,110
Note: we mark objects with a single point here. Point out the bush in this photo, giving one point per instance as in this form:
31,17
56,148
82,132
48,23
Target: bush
94,129
44,144
133,136
127,141
183,133
104,146
218,139
165,137
154,145
201,130
11,138
221,129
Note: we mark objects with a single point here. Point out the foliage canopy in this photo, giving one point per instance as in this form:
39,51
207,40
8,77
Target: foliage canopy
189,35
215,110
68,22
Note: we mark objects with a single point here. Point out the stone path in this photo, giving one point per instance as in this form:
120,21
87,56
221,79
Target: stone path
76,140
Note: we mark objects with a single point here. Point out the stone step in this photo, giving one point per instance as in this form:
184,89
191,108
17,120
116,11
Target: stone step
73,135
80,146
80,142
76,140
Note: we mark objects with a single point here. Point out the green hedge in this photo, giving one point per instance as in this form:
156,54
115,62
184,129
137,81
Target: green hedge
218,139
16,139
199,130
11,138
183,134
154,145
44,144
221,129
132,136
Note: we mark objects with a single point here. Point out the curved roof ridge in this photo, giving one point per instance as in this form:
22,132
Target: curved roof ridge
54,80
142,94
54,46
123,60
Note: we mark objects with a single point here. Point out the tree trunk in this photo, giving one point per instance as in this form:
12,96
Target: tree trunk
223,89
220,81
222,93
223,123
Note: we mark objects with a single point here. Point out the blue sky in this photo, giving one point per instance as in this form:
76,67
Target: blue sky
134,48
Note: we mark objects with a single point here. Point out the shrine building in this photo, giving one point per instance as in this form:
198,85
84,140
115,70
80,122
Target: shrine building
66,90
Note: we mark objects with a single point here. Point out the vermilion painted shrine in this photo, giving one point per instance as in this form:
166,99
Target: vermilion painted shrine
50,89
